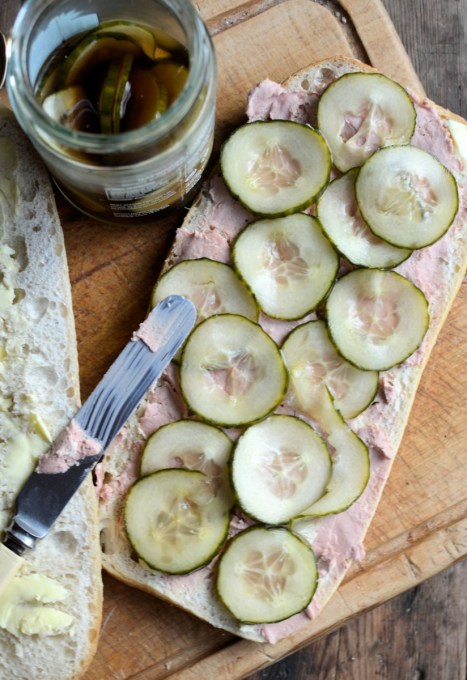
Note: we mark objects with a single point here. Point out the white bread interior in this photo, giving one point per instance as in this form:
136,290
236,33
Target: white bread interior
39,393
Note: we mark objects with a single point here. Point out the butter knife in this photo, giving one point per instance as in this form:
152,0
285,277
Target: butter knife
60,472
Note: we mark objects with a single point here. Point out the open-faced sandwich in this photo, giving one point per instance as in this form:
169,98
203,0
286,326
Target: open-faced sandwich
50,612
323,258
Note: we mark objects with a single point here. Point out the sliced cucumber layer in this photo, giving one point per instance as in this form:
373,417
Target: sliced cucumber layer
266,575
280,466
406,196
231,372
213,287
312,362
350,459
376,318
192,445
287,262
338,213
275,167
362,112
174,521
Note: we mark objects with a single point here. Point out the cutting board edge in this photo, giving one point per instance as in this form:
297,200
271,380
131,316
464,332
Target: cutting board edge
251,657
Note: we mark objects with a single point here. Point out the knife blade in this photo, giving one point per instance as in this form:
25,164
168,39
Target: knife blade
47,491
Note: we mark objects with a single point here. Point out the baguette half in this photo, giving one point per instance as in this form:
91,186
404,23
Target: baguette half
208,231
39,393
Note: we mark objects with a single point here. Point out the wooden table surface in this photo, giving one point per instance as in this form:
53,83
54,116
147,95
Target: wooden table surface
420,635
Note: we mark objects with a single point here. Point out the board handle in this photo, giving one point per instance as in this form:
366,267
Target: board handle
10,564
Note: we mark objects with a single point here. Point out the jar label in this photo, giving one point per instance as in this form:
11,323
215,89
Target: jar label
153,193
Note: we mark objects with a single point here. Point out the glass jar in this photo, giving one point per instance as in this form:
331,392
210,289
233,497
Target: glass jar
133,175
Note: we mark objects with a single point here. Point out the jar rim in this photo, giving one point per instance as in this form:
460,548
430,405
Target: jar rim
21,92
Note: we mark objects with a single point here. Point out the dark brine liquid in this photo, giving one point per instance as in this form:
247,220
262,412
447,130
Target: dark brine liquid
117,77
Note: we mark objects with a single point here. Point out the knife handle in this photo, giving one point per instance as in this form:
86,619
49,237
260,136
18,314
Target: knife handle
10,563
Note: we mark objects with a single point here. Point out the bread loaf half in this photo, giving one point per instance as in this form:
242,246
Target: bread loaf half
209,231
50,613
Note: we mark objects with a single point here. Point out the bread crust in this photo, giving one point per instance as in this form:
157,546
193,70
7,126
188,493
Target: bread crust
398,391
40,373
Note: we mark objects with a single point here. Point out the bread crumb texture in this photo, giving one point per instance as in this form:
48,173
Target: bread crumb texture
50,613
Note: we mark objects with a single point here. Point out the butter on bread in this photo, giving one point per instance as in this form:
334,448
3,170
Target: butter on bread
50,615
213,222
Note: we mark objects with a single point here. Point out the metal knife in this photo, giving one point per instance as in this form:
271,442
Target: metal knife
101,417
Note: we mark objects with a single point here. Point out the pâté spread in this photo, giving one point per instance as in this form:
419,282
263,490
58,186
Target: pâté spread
337,539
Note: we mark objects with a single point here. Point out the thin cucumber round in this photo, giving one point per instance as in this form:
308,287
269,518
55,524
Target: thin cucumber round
376,318
139,34
266,575
192,445
213,287
313,361
362,112
288,263
275,167
174,521
340,218
231,371
406,196
350,460
280,467
93,49
112,93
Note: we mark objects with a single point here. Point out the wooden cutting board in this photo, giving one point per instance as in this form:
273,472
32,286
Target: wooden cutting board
421,524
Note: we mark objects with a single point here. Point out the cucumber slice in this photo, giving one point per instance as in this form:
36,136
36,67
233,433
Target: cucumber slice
174,522
406,196
288,263
172,77
312,362
192,445
70,107
113,93
350,459
361,112
275,167
340,218
140,35
95,48
231,372
145,102
213,287
266,575
280,467
376,318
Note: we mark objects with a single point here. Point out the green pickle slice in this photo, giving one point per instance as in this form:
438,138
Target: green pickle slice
95,48
406,196
174,521
313,362
376,318
231,371
137,33
112,96
266,575
287,262
340,218
350,459
275,167
192,445
213,287
280,466
362,112
145,103
171,76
